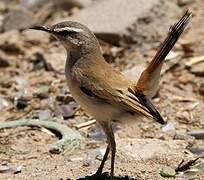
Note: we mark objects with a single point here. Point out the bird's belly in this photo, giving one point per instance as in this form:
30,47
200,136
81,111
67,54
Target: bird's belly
101,111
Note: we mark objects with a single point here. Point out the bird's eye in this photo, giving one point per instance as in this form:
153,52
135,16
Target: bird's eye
65,33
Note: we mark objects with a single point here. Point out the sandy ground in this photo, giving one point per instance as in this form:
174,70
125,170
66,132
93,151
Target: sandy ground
180,101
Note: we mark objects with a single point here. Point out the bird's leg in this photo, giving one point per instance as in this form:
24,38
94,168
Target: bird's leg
113,149
107,127
100,169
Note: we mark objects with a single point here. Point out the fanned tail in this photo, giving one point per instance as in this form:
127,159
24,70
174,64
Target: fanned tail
149,79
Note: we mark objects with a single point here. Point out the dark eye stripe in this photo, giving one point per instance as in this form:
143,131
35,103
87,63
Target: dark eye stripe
65,33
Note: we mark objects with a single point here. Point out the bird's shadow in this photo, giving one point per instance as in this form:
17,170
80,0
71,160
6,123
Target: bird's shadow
105,176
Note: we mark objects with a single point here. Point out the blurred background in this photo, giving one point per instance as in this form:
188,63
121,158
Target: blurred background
33,87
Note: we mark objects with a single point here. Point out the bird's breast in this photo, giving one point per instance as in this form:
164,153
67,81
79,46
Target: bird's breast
101,111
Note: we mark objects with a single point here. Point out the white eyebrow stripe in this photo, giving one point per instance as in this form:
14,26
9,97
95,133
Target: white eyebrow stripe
73,29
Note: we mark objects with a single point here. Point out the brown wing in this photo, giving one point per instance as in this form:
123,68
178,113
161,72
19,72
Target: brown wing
117,93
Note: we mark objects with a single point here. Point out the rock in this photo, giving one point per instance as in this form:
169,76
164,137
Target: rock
21,103
19,18
11,37
201,89
168,127
198,151
150,148
64,98
186,78
167,172
4,169
11,43
3,103
45,115
66,111
197,69
21,81
35,5
40,62
198,134
96,133
110,20
42,92
184,2
3,63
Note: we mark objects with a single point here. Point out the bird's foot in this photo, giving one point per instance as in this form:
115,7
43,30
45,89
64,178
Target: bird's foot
100,176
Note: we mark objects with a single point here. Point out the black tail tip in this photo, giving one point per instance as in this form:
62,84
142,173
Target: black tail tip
159,118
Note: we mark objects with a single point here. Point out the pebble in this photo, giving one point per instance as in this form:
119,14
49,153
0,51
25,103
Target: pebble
66,111
45,115
3,63
21,103
42,92
19,18
201,89
21,81
197,69
185,2
168,127
3,103
167,172
198,134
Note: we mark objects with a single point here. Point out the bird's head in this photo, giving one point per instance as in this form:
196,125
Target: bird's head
72,35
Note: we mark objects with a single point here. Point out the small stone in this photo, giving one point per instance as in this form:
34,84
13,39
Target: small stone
17,169
198,151
167,172
186,78
21,103
198,134
197,69
3,103
185,2
96,153
3,63
19,18
39,62
66,111
42,92
86,164
201,89
65,99
21,81
168,127
200,166
96,133
4,169
45,115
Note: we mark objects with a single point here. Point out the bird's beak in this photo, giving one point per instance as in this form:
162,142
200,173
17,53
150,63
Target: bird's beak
41,28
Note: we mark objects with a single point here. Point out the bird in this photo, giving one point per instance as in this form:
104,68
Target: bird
104,92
